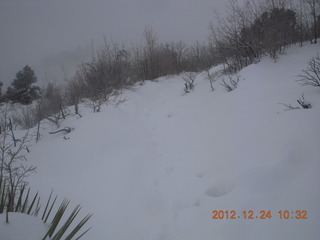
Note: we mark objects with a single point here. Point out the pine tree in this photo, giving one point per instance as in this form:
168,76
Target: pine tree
23,91
1,84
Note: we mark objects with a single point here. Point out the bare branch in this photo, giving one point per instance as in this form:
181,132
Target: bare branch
189,78
289,107
302,103
232,84
13,161
311,75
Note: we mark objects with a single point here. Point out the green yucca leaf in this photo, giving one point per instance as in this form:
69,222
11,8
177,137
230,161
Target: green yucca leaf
38,206
65,226
18,206
78,227
57,218
45,210
59,215
3,196
31,206
50,209
1,181
23,210
83,234
10,200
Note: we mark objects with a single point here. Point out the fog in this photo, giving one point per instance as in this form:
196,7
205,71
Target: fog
54,36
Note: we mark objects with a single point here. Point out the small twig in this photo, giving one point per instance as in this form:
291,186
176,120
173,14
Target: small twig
12,134
303,103
66,129
289,107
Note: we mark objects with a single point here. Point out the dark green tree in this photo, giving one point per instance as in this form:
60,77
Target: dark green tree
271,33
1,84
23,91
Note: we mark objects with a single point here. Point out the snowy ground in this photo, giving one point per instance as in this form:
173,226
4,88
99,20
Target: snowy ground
156,166
22,226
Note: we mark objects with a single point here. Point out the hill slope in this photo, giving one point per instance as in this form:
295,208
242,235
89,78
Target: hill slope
157,165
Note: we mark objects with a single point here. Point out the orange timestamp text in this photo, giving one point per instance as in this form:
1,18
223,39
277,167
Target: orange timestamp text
263,214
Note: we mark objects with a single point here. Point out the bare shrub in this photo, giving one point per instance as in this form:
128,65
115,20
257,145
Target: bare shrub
26,118
189,78
212,77
231,83
74,92
311,75
14,167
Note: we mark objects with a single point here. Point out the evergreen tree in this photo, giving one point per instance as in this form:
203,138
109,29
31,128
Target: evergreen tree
1,84
23,91
271,32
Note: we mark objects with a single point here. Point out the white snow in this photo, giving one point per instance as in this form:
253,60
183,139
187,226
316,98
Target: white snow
157,165
22,226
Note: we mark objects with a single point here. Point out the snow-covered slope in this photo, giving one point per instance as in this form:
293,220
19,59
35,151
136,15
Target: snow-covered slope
157,165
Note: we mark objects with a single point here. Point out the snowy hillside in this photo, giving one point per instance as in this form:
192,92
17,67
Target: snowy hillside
159,164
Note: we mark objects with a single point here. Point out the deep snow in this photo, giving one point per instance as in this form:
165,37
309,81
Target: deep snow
157,165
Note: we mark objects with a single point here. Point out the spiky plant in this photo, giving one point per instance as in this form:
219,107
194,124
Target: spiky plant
22,205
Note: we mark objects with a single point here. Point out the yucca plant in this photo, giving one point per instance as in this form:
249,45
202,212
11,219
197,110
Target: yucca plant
57,219
22,205
44,216
3,195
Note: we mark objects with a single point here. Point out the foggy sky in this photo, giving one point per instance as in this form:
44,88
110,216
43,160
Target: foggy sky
53,36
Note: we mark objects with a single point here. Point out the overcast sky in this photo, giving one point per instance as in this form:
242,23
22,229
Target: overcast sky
50,35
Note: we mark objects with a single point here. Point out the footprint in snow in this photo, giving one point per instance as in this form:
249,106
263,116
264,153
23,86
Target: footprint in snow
219,190
200,175
169,169
170,115
196,203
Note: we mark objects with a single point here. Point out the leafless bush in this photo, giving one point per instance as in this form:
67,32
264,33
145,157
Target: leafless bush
189,78
118,98
232,82
53,104
311,75
13,161
25,118
95,104
212,77
73,94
